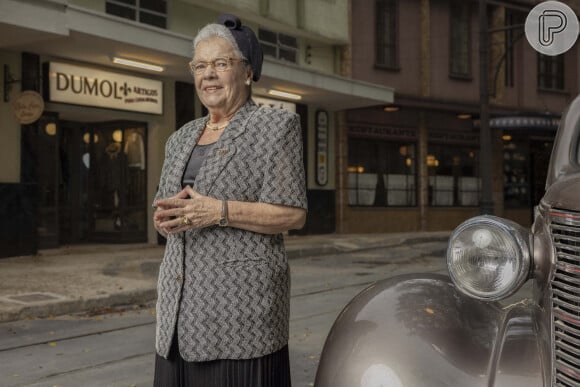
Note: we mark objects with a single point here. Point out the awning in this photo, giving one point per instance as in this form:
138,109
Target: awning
525,122
325,90
522,122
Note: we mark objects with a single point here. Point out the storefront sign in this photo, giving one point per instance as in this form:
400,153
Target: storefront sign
321,147
28,107
91,87
274,103
383,132
443,137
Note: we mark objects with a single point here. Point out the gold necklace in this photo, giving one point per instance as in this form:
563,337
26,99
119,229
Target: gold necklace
216,127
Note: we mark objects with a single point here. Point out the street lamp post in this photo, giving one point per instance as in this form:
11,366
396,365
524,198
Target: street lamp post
485,148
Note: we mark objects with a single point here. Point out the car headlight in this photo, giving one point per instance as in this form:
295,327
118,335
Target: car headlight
489,257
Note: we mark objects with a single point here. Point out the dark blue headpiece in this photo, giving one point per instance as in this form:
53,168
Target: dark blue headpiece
247,42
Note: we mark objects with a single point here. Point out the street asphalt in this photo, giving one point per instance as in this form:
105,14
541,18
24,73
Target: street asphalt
95,277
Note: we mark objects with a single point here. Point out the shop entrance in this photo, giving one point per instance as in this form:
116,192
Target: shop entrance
99,183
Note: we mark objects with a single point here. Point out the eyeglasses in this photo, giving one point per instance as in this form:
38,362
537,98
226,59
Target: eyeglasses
218,64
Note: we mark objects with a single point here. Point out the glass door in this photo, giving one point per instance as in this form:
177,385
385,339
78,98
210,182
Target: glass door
117,181
48,161
74,190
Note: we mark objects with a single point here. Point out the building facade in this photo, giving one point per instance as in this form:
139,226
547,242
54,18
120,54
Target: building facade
415,164
387,90
83,129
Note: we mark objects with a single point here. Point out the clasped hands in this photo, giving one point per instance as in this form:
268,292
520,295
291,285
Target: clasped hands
186,210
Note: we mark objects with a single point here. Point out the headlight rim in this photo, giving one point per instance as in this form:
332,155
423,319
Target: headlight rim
519,236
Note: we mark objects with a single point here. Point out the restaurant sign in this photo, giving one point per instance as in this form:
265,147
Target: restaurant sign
274,103
27,107
91,87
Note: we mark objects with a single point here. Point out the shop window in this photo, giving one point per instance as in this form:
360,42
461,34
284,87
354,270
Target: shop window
381,173
460,35
118,181
515,175
453,176
551,72
386,34
278,45
152,12
525,167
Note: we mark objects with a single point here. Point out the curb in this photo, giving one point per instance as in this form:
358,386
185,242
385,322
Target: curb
79,305
144,296
328,249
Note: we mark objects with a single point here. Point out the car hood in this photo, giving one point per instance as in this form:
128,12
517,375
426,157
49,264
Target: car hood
564,194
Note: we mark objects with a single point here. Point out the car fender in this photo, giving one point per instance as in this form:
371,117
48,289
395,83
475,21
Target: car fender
419,330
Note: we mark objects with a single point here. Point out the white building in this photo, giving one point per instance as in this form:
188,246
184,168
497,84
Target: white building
86,170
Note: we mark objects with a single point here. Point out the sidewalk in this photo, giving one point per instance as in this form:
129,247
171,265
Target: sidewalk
80,278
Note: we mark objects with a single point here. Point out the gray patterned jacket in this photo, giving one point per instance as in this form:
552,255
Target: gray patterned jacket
226,289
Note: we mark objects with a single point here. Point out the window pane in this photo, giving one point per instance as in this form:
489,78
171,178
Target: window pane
289,55
559,73
129,2
287,40
453,175
270,50
460,38
151,19
381,173
278,45
551,72
386,33
362,177
513,18
516,175
154,5
118,180
267,36
119,10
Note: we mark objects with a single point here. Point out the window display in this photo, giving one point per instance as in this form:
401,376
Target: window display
118,182
453,176
381,173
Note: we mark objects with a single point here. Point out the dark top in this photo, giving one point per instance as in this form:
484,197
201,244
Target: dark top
194,164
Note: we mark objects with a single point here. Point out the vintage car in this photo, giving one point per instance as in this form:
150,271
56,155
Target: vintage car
507,314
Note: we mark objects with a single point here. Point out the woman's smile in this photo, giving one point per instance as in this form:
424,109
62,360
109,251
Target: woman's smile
211,89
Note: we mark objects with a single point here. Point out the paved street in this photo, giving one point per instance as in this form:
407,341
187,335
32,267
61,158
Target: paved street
116,349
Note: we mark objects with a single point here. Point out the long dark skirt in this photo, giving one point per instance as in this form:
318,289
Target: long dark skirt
272,370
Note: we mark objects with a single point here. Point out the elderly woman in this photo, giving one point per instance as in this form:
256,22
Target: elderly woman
231,183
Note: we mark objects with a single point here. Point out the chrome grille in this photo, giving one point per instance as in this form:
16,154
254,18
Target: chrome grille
565,229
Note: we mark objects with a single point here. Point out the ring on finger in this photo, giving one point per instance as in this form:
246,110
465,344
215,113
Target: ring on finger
185,220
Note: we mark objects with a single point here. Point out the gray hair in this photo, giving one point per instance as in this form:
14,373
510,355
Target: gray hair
220,31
